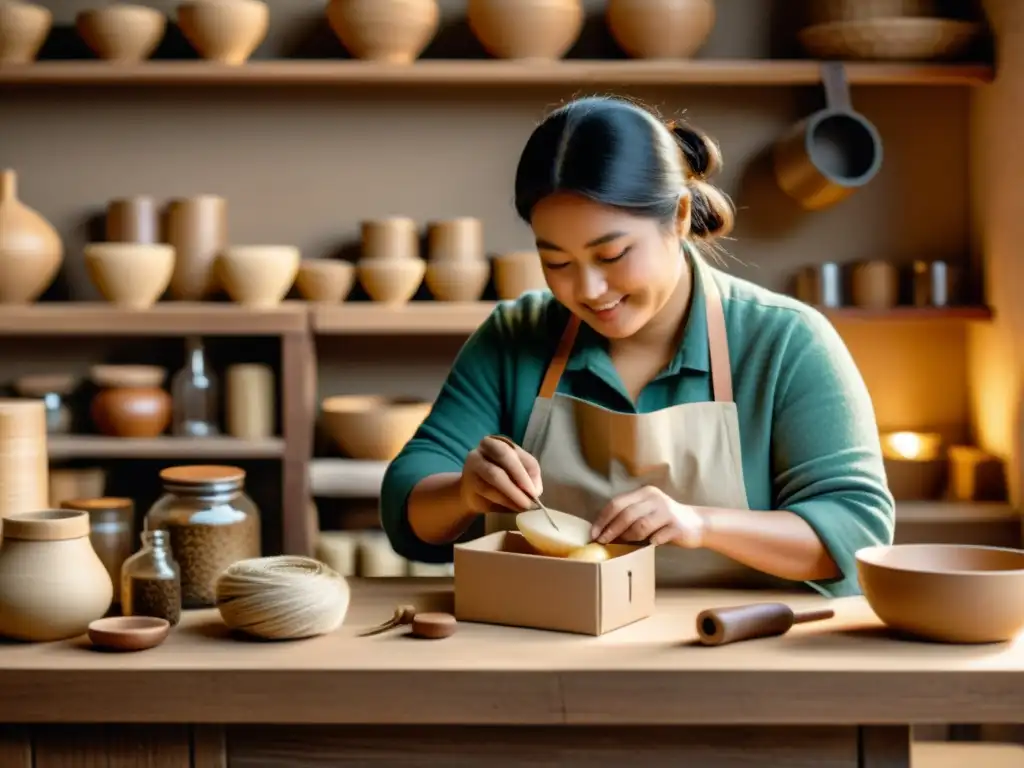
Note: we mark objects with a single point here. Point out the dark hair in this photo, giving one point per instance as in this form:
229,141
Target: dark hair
619,153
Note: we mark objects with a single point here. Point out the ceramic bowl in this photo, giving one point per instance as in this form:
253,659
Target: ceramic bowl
128,633
391,281
132,275
121,32
458,280
24,28
372,427
225,31
258,276
325,280
946,592
518,272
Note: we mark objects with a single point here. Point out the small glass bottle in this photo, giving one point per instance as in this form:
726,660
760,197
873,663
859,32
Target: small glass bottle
151,580
212,523
194,393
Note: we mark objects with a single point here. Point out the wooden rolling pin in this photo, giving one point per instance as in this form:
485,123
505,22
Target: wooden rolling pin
718,626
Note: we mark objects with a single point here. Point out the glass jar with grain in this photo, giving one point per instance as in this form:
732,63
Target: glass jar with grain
211,523
151,580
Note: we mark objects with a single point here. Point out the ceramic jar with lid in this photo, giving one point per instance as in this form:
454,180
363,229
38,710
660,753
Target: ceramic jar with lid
211,523
131,401
52,582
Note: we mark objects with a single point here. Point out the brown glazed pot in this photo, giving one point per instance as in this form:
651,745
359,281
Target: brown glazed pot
131,411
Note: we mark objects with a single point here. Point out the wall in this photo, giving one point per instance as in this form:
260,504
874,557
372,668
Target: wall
304,165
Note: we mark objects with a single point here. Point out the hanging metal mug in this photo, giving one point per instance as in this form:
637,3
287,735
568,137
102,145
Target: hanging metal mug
828,156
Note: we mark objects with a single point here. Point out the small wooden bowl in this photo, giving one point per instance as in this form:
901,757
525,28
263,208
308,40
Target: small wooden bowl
128,633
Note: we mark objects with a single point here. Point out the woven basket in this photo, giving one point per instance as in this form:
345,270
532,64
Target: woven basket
824,11
898,39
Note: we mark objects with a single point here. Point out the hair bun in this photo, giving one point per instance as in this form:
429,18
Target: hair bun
703,158
712,214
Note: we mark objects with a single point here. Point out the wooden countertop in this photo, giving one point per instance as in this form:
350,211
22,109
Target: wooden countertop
843,671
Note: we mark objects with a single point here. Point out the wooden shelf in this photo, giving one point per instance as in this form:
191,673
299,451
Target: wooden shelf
416,318
955,512
163,319
98,447
489,72
430,317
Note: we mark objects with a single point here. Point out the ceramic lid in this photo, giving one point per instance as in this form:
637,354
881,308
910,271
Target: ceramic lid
202,474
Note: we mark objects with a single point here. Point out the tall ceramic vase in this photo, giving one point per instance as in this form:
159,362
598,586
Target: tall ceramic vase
24,468
31,251
197,227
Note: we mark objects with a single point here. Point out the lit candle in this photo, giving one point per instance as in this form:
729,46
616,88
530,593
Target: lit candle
911,446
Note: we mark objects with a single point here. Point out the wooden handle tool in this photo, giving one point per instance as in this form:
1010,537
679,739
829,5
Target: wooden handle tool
719,626
534,499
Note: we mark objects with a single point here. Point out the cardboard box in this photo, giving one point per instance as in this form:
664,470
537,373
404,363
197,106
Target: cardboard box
499,579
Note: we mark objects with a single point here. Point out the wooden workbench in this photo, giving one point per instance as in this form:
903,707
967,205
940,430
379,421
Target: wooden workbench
826,695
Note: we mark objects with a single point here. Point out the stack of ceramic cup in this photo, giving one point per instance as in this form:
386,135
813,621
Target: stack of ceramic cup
390,268
457,267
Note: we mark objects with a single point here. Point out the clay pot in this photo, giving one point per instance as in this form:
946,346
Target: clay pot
132,275
31,251
258,275
372,427
660,29
122,33
131,401
391,281
455,240
23,30
394,31
24,482
325,280
458,280
518,272
197,227
52,582
394,238
526,29
133,220
225,31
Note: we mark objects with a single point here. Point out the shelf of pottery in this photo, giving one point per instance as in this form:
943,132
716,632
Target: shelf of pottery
396,32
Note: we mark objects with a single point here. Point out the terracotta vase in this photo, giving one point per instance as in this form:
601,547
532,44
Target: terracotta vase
258,276
393,238
225,31
391,281
518,272
23,30
52,582
526,29
197,227
133,220
394,31
31,251
131,275
660,29
24,467
122,33
131,402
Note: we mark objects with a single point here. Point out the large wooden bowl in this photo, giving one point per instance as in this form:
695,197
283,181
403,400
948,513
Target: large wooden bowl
372,427
946,592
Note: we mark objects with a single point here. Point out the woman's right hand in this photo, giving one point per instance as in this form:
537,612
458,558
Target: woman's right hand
498,477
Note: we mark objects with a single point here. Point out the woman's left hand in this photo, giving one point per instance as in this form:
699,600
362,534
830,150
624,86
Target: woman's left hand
648,514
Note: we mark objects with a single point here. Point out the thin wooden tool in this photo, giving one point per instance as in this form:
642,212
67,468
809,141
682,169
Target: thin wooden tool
719,626
404,614
534,499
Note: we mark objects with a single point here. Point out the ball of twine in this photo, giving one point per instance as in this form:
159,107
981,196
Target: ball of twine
284,597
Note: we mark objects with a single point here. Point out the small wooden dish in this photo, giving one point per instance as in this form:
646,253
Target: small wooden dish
128,633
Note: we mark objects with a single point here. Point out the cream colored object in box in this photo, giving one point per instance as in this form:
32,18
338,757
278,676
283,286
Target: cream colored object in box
498,578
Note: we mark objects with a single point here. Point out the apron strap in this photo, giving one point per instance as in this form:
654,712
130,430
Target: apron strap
561,358
718,343
718,339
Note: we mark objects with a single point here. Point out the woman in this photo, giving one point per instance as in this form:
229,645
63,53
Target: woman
662,399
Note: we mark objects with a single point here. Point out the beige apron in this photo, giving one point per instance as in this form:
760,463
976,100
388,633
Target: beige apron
589,455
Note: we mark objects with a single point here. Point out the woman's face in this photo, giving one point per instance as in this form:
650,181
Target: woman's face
614,270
